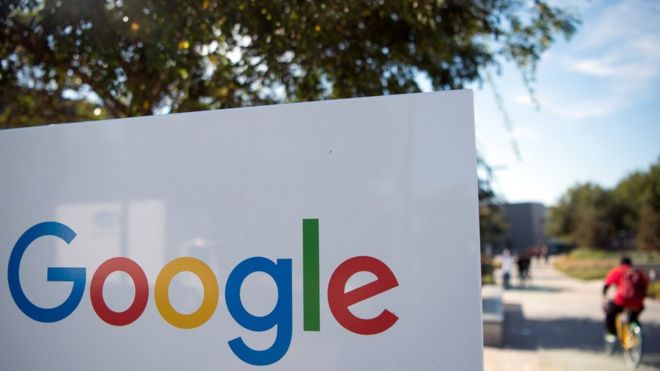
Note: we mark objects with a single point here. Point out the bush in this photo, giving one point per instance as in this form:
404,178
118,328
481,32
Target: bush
654,290
487,270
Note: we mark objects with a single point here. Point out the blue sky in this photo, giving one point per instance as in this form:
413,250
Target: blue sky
599,116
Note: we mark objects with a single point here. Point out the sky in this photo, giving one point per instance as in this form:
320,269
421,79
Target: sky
599,114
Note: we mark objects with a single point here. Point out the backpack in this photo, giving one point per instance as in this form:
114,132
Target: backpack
633,285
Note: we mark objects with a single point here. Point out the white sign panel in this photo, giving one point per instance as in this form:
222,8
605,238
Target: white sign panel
337,235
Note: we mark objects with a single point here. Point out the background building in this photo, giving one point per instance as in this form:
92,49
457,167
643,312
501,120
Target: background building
526,225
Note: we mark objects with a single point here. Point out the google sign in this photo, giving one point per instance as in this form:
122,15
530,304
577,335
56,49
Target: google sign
280,271
334,236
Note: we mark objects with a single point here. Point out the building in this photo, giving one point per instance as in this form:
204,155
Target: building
526,225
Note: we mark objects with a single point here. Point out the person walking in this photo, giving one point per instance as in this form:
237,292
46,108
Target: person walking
524,261
507,267
545,253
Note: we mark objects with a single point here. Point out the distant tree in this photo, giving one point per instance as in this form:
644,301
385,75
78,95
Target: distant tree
70,60
638,200
648,229
492,222
629,195
589,215
637,190
583,216
592,227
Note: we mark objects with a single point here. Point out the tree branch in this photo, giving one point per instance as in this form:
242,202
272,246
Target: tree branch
114,105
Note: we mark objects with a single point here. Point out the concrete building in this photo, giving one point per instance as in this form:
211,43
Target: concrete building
526,225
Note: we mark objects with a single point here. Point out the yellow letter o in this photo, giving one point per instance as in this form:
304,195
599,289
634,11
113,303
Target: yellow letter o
209,302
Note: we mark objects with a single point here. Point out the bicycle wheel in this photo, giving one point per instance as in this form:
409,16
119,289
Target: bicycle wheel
634,349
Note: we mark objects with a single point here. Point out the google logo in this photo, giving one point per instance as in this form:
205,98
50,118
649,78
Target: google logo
280,271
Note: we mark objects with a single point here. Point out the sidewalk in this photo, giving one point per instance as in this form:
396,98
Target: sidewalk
557,324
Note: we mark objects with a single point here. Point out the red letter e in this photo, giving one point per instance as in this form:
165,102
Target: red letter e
339,300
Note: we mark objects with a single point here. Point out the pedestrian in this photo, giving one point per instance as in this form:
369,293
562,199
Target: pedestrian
545,251
523,263
507,266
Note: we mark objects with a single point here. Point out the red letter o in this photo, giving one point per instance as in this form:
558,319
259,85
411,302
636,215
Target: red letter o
141,291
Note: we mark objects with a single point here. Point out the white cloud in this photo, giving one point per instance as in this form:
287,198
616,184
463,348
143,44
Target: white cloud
578,109
583,109
526,133
618,47
524,100
593,67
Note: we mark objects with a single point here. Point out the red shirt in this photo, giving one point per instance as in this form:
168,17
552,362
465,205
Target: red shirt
614,278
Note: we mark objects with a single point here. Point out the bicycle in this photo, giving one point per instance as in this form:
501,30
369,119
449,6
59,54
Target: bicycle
629,336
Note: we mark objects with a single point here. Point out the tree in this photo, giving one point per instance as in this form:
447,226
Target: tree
583,216
70,60
628,214
637,190
638,199
492,222
648,229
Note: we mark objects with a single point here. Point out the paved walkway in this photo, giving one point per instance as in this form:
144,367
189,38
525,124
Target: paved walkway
557,324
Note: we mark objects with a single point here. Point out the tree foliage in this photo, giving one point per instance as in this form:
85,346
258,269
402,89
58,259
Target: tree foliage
589,215
492,222
638,197
70,60
648,229
582,216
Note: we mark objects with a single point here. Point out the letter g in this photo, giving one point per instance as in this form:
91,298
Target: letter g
75,275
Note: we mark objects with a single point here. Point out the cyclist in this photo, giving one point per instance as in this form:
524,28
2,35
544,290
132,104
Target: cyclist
631,285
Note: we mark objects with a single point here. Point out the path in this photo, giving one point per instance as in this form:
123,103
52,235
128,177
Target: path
557,324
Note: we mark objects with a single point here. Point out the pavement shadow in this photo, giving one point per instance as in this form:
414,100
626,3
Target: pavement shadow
568,333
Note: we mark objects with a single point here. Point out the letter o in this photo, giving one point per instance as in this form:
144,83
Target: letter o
141,291
209,302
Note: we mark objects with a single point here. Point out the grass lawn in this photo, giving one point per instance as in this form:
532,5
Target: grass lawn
585,269
590,264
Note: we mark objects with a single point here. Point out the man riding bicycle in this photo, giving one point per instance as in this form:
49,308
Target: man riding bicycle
631,285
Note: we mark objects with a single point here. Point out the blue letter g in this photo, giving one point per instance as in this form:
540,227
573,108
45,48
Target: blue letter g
75,275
